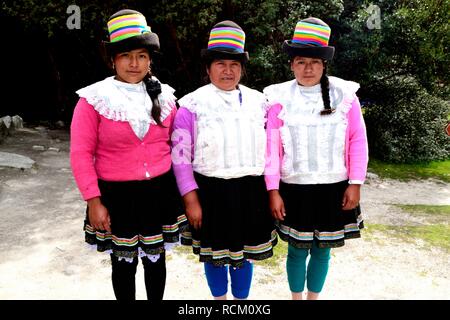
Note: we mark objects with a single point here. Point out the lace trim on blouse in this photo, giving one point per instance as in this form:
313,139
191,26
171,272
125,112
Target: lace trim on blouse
121,101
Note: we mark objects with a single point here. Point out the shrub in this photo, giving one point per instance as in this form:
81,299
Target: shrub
405,124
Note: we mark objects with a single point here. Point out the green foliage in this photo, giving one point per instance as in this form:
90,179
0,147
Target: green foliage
403,72
406,124
183,28
267,24
413,40
404,76
439,170
402,67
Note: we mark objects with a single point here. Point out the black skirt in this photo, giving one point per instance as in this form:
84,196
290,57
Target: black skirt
236,221
144,216
314,213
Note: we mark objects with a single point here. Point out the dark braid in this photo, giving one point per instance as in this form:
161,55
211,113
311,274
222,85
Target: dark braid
325,86
154,89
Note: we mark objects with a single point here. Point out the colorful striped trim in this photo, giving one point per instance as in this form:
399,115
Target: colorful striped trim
221,254
288,232
308,33
303,236
227,37
125,242
196,243
353,227
100,236
151,240
130,242
127,26
170,227
238,255
175,227
326,235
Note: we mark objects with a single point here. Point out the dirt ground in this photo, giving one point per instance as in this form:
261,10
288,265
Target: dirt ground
44,255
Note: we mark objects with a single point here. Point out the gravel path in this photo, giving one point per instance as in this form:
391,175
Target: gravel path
44,256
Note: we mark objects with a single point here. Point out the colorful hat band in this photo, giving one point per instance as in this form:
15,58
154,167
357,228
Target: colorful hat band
308,33
227,37
127,26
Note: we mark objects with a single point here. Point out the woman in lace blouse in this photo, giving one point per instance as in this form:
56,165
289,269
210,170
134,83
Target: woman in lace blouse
120,158
218,156
317,147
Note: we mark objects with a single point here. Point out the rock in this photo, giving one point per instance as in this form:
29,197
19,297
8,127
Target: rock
372,176
9,124
60,124
3,131
15,160
53,149
7,121
40,128
17,122
38,148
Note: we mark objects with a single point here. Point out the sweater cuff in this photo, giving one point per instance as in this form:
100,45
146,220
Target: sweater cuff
188,188
272,182
91,194
355,182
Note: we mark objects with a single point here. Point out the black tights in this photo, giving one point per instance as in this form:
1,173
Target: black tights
123,278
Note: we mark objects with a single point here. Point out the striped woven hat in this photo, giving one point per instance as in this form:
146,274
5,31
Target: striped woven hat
128,30
226,41
310,39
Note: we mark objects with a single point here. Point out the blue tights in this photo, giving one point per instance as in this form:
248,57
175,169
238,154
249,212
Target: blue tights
314,274
241,279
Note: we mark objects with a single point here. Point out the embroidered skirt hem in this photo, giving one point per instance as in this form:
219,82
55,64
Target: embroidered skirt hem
145,216
236,222
314,213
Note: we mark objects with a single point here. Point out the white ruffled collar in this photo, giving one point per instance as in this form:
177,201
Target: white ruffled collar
232,98
121,101
342,93
312,89
132,86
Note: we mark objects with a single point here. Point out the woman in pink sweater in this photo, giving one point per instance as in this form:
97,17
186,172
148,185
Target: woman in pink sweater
120,157
317,147
219,158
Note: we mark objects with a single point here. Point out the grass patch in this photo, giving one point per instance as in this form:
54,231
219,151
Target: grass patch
185,250
436,169
421,209
437,235
279,253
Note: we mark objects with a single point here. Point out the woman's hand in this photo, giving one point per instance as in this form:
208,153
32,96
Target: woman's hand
98,215
276,205
193,209
351,197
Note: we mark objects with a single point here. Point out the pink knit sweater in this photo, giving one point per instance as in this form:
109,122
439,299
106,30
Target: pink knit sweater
109,150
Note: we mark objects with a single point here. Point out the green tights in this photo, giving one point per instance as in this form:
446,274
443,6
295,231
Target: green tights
314,274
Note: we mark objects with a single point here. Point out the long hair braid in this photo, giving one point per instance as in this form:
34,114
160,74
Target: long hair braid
325,88
153,88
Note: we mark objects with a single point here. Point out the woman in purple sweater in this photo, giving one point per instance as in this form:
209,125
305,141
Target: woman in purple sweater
219,157
120,158
317,147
